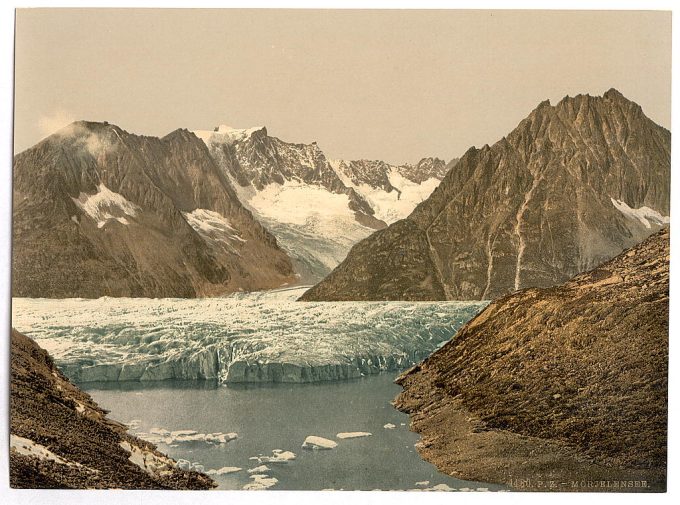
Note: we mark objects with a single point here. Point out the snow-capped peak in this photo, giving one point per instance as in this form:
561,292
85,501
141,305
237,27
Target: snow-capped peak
227,134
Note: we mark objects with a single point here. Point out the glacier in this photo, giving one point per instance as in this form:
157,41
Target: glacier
255,337
314,226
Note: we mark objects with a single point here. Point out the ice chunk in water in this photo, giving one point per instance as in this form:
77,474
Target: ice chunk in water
353,434
224,470
318,443
259,469
260,482
278,457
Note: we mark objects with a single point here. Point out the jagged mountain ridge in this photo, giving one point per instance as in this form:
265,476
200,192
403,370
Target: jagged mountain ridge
316,207
570,187
102,212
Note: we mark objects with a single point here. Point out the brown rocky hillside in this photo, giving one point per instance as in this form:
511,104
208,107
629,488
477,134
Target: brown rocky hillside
60,438
583,364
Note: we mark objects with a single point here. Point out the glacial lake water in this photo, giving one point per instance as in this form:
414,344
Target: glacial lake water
263,366
280,416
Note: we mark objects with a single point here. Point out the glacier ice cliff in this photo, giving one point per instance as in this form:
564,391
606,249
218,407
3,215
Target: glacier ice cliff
244,337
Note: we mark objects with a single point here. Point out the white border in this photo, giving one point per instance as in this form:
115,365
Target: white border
300,497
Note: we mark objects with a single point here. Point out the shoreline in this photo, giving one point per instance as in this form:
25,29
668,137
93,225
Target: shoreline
470,451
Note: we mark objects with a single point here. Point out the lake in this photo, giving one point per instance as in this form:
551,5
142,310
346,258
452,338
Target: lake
280,416
243,380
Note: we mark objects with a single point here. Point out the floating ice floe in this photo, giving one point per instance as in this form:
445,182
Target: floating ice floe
423,483
278,457
353,434
224,470
259,469
389,426
172,438
260,481
134,424
318,443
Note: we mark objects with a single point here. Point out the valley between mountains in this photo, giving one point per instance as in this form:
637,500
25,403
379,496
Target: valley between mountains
523,287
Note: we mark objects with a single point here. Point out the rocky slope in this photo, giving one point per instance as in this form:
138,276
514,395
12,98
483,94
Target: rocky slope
572,186
582,366
317,208
99,211
60,438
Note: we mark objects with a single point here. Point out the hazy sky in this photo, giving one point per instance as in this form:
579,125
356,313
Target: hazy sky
391,85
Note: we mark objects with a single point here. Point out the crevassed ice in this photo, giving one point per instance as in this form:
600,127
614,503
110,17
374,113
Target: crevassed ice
246,337
645,215
315,227
106,205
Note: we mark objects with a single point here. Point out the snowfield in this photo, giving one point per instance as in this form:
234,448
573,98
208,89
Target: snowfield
395,205
245,337
315,227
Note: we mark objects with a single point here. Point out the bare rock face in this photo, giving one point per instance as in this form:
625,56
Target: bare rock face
583,364
102,212
572,186
426,168
60,438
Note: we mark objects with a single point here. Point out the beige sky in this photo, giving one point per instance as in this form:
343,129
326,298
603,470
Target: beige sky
391,85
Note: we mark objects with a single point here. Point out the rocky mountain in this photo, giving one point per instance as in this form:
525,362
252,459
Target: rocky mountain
60,438
99,212
570,187
568,383
317,208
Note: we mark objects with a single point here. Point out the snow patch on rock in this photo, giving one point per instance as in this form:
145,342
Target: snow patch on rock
146,459
105,206
213,227
226,134
28,447
645,215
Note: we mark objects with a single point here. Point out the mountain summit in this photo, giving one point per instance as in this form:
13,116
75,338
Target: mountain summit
570,187
316,207
99,212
